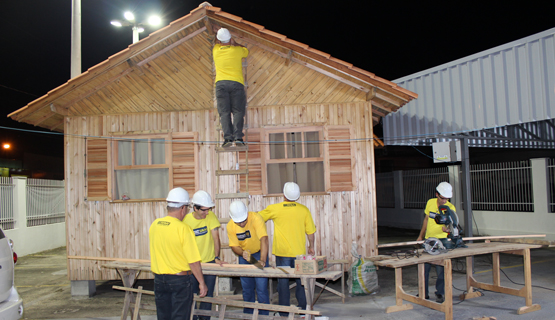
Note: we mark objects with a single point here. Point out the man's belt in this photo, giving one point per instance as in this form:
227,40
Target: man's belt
184,273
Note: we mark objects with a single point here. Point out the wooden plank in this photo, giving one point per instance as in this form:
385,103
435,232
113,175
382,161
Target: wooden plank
473,249
408,243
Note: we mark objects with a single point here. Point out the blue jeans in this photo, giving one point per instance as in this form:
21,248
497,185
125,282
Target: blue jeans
173,296
283,286
440,282
249,283
210,283
231,98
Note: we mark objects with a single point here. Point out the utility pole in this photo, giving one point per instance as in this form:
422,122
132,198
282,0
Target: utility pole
75,38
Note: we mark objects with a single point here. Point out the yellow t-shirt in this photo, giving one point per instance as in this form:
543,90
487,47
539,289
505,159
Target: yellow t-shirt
203,235
228,62
292,222
248,238
433,230
172,246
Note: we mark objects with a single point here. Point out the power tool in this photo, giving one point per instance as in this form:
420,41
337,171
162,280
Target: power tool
449,218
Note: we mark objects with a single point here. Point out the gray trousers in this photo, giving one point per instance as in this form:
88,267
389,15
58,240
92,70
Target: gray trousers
231,99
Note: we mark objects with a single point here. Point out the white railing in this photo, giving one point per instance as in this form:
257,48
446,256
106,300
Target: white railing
551,183
45,202
419,185
385,190
6,203
505,186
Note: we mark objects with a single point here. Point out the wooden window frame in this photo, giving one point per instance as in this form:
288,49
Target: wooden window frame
266,156
168,154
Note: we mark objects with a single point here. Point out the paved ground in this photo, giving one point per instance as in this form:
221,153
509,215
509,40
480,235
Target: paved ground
41,280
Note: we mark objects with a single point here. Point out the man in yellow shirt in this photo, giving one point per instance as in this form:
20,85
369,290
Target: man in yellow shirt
230,89
205,226
174,259
430,229
293,224
247,237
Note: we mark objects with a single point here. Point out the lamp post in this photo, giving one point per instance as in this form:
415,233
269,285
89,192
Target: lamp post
137,27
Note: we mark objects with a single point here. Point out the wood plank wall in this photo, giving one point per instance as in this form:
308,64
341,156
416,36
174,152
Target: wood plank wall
120,230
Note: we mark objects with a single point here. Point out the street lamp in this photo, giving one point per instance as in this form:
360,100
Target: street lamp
137,27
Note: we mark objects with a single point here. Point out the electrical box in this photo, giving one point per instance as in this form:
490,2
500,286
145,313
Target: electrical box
449,151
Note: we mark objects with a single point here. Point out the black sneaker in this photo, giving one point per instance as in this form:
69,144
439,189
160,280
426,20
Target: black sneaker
440,298
239,143
227,143
427,297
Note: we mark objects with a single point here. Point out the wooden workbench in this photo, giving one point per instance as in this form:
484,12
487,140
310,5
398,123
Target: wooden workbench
471,283
130,270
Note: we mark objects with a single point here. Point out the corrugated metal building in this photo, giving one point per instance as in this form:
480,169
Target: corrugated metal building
504,96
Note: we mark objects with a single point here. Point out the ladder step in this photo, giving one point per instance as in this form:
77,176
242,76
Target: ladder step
232,149
232,195
231,172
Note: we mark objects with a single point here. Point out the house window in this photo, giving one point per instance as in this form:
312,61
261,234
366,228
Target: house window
142,167
295,154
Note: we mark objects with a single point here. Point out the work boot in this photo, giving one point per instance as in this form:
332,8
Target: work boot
227,143
439,298
427,297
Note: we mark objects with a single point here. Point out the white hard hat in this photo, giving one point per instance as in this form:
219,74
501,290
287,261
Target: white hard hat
203,199
223,35
177,197
238,211
291,191
445,190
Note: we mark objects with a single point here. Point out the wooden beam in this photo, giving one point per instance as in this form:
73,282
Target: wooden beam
400,244
59,110
289,58
170,47
381,106
371,94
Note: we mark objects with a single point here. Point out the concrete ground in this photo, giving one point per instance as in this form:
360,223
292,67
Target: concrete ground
41,280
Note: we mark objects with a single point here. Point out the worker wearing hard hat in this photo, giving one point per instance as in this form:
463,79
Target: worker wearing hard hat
230,89
175,260
205,226
248,238
430,229
293,224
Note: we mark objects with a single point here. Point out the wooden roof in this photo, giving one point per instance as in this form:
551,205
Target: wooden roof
172,70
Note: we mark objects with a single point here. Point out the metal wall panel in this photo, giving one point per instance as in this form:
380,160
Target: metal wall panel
506,85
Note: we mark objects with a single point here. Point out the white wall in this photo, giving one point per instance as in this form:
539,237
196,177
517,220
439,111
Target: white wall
29,240
541,221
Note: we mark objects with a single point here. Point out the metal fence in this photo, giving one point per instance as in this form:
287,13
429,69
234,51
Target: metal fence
419,185
505,186
45,202
6,203
385,190
551,183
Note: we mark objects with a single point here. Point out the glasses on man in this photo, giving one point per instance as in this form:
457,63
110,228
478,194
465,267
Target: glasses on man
442,198
204,210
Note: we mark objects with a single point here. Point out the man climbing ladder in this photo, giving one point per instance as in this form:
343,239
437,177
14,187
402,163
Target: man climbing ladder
230,86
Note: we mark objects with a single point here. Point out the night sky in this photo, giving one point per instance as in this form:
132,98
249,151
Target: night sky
389,38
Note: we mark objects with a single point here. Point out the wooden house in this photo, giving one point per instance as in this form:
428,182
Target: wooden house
144,121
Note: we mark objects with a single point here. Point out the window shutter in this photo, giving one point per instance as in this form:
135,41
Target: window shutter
255,163
184,153
340,157
97,169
